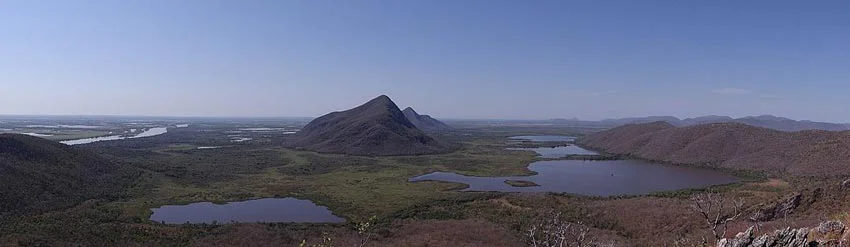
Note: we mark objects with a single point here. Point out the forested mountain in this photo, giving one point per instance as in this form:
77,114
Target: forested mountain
765,121
377,127
38,175
731,145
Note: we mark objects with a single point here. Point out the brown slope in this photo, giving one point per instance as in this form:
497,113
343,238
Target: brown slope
731,145
377,127
39,175
623,139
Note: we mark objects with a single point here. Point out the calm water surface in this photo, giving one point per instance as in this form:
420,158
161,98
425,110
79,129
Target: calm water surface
241,139
65,126
558,152
261,210
209,147
595,178
38,134
549,138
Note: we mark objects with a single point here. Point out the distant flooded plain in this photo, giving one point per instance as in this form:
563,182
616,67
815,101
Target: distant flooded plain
147,133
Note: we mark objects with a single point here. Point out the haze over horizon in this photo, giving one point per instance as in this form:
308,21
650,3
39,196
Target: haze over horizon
449,59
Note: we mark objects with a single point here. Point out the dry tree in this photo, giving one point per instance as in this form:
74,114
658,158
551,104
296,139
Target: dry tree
365,230
717,211
756,218
552,231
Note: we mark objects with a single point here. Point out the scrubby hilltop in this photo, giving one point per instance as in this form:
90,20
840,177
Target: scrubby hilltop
377,127
765,121
731,145
424,122
38,175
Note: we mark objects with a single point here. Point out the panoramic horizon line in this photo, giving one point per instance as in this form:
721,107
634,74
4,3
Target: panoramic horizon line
441,118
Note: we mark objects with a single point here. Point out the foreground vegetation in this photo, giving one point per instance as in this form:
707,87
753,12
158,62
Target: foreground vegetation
172,170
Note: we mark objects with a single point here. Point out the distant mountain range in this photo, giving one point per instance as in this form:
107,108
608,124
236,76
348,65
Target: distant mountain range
730,145
424,122
376,128
765,121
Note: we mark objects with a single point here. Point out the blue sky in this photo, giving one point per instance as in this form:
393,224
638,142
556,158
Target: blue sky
453,59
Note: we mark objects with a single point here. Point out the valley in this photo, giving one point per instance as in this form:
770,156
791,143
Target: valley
432,123
204,163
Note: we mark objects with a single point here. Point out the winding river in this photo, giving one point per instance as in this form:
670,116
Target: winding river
147,133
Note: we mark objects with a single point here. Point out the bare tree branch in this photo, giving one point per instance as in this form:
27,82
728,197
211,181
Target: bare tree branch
552,231
717,211
756,219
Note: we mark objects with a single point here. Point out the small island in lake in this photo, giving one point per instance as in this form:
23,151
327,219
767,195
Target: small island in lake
521,183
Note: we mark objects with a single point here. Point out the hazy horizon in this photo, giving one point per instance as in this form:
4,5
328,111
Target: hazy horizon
2,116
449,59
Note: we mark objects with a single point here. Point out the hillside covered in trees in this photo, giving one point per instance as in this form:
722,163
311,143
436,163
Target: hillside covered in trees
730,145
40,175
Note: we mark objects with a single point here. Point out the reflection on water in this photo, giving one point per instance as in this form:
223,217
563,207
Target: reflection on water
64,126
596,178
261,210
548,138
147,133
558,152
240,139
37,134
262,129
152,132
209,147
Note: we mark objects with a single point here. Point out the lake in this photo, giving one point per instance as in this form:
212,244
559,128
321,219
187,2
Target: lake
260,210
240,139
38,134
262,129
64,126
147,133
558,152
209,147
594,178
547,138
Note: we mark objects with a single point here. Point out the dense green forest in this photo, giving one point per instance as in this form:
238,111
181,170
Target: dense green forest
40,175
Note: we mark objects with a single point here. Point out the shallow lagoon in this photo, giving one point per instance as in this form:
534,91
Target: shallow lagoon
594,178
558,152
38,134
546,138
147,133
260,210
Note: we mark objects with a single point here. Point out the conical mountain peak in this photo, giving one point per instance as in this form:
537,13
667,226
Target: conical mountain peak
380,100
377,127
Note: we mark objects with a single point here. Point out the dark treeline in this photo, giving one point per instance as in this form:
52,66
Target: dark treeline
39,175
